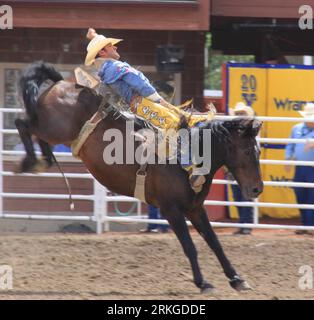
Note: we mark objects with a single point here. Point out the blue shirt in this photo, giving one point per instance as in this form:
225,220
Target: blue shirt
125,80
296,150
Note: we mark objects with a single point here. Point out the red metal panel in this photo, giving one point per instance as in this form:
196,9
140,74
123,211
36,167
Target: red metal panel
224,88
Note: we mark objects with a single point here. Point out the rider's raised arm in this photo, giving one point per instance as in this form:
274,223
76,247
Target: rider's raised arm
140,84
128,81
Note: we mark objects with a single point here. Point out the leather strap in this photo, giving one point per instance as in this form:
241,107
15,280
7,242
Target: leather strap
139,191
90,125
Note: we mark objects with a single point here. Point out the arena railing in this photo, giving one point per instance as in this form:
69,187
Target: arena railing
101,197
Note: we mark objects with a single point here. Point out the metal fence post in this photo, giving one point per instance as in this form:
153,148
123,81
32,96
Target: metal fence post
139,208
256,212
100,207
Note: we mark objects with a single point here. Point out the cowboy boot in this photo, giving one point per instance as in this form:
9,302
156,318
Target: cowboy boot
196,181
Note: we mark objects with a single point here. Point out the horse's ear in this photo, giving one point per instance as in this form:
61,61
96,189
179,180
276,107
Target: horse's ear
220,130
252,127
244,125
256,127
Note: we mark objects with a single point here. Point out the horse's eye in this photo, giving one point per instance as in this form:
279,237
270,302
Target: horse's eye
247,152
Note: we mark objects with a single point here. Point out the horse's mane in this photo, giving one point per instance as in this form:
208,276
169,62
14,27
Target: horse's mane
222,129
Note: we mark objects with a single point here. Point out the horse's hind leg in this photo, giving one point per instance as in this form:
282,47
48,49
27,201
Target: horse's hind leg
201,223
179,226
30,163
46,152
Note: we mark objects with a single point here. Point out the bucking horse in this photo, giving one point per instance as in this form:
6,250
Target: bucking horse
57,114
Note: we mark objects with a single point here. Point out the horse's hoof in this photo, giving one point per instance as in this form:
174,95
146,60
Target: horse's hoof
244,286
209,291
40,166
29,167
17,169
238,284
207,288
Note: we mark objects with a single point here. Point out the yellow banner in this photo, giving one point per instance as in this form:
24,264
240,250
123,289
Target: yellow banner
278,91
246,85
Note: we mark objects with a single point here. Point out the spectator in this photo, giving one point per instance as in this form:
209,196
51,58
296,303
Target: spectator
303,152
61,148
154,213
245,213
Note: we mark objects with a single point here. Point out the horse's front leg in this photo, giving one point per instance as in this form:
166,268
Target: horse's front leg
30,163
179,226
200,221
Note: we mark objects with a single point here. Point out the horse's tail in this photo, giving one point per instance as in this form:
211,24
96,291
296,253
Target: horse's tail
30,81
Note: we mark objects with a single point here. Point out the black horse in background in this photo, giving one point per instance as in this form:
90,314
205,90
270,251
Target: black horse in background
57,116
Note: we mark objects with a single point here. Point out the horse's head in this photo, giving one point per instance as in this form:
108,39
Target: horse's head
241,153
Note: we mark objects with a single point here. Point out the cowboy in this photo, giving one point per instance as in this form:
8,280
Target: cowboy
132,85
303,152
137,91
242,110
245,213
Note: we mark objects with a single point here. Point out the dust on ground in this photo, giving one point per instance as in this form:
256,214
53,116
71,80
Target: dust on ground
151,266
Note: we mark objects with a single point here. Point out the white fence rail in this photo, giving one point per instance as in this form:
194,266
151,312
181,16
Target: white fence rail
268,119
100,197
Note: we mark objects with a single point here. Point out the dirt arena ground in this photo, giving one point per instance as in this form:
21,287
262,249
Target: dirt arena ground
151,266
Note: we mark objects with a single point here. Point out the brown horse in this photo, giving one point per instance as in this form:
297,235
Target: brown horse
57,116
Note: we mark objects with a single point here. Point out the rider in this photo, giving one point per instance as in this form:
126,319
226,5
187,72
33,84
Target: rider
135,88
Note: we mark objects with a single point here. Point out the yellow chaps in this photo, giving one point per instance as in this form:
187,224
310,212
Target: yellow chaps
168,119
165,117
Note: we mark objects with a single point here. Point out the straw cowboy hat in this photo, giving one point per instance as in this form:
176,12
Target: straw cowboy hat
241,107
97,42
308,110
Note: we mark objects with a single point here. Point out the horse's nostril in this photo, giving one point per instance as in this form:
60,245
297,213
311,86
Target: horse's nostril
255,190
